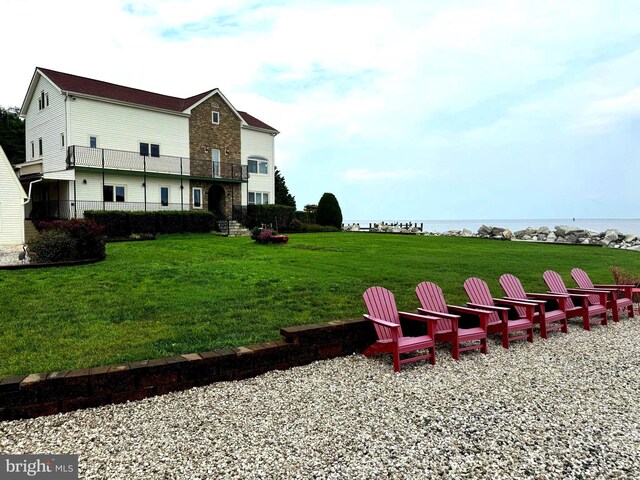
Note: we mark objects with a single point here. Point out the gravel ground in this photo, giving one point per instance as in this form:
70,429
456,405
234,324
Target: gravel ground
568,407
9,254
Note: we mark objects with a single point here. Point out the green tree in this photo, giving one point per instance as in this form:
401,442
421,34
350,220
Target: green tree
329,212
283,197
12,134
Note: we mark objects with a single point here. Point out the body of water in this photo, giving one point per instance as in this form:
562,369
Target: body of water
624,225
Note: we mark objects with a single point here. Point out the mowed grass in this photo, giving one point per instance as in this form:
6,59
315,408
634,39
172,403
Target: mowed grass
192,293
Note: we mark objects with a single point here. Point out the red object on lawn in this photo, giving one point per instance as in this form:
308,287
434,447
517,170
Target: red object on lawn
549,320
614,302
447,330
586,309
618,277
279,239
480,296
385,316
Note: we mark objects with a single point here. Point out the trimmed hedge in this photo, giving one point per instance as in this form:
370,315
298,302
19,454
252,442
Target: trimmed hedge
276,216
119,224
309,228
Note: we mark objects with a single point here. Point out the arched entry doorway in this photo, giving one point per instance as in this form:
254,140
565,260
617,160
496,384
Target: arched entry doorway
217,200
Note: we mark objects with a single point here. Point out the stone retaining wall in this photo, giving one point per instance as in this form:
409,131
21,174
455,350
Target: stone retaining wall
610,238
41,394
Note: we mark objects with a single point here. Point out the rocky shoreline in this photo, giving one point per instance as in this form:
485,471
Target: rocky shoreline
610,238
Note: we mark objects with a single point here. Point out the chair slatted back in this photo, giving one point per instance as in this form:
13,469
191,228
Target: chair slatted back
556,285
582,279
431,297
478,292
513,288
381,304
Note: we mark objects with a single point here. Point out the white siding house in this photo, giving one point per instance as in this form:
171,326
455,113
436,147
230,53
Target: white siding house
12,198
101,146
258,155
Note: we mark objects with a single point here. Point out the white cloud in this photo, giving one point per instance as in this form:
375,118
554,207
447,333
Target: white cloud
429,80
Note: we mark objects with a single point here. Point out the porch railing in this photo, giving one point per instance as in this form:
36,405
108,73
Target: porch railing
65,209
101,158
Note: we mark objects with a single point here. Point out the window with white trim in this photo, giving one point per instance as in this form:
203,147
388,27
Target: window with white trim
215,117
197,197
258,198
33,149
149,149
40,146
113,193
62,140
258,165
215,160
93,142
43,100
164,196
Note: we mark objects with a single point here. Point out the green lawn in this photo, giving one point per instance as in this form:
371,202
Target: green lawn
191,293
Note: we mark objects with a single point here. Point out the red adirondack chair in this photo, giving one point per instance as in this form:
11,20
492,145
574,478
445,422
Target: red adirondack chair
385,316
480,296
447,330
585,309
549,319
614,302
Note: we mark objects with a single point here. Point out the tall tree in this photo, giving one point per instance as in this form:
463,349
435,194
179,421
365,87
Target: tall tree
329,212
12,134
283,197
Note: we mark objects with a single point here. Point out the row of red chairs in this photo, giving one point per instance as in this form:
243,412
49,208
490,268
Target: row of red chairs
550,310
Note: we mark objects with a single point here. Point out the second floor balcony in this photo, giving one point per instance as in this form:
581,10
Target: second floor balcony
103,158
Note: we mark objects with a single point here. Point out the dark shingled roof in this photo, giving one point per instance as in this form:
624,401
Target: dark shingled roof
97,88
254,122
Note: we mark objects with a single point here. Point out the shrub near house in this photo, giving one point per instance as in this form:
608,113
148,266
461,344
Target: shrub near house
67,240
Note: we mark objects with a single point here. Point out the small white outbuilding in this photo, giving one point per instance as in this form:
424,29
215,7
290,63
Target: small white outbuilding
12,199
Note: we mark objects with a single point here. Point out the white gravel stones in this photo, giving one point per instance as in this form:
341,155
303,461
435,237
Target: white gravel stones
567,407
9,254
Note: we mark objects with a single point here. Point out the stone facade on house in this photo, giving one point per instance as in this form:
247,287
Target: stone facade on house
204,135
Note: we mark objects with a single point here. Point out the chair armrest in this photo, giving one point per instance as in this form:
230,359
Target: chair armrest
417,317
432,322
379,321
514,302
576,295
595,291
588,291
627,289
495,308
482,314
548,296
520,301
433,313
470,311
530,306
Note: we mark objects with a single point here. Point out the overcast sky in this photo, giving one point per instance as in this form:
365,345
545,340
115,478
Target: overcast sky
405,110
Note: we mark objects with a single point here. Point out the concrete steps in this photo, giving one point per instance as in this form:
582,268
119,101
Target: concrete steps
237,230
